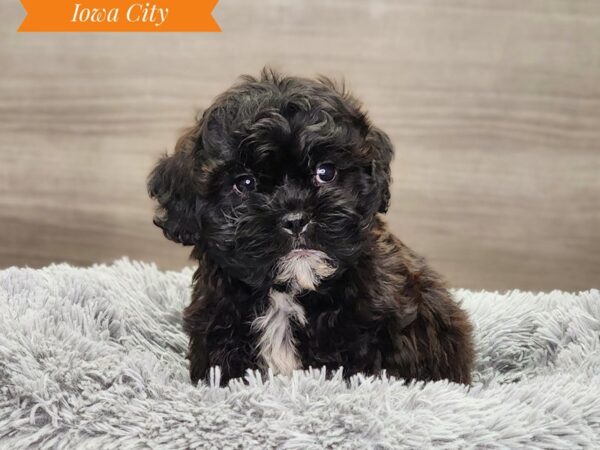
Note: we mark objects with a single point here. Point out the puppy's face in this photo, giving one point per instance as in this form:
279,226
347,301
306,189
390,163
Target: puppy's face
278,182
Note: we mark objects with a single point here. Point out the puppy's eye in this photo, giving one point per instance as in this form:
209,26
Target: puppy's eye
325,173
244,183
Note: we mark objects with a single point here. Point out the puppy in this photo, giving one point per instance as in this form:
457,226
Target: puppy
280,187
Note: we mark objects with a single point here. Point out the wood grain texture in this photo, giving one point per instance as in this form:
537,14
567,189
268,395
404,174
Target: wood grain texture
493,107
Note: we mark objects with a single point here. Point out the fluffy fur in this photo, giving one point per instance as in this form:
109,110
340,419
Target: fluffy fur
276,344
93,358
340,290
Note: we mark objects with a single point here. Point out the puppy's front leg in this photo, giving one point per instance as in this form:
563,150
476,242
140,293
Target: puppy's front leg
219,336
232,351
198,357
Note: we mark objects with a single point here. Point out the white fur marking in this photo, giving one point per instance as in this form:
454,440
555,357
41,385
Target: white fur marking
277,345
302,270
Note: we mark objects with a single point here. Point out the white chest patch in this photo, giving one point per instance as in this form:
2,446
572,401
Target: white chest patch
276,343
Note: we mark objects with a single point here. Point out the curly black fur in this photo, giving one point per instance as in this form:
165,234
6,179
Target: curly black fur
382,308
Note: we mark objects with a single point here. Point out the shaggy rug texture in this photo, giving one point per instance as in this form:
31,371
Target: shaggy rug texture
94,358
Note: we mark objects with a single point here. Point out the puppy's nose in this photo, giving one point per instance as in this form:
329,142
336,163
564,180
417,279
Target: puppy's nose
294,223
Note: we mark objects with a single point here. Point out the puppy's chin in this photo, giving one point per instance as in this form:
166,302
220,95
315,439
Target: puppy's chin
303,270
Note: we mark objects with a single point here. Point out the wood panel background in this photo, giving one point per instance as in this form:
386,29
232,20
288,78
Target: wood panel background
493,106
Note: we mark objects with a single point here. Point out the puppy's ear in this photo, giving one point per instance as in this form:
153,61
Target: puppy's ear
173,184
382,152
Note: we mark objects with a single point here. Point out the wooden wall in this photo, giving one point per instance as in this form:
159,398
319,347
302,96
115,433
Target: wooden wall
493,106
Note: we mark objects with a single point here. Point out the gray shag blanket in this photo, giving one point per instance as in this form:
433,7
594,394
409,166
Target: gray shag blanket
94,358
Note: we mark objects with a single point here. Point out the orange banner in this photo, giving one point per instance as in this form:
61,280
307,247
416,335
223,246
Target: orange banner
119,15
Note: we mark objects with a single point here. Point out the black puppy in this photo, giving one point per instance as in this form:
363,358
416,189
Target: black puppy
279,187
